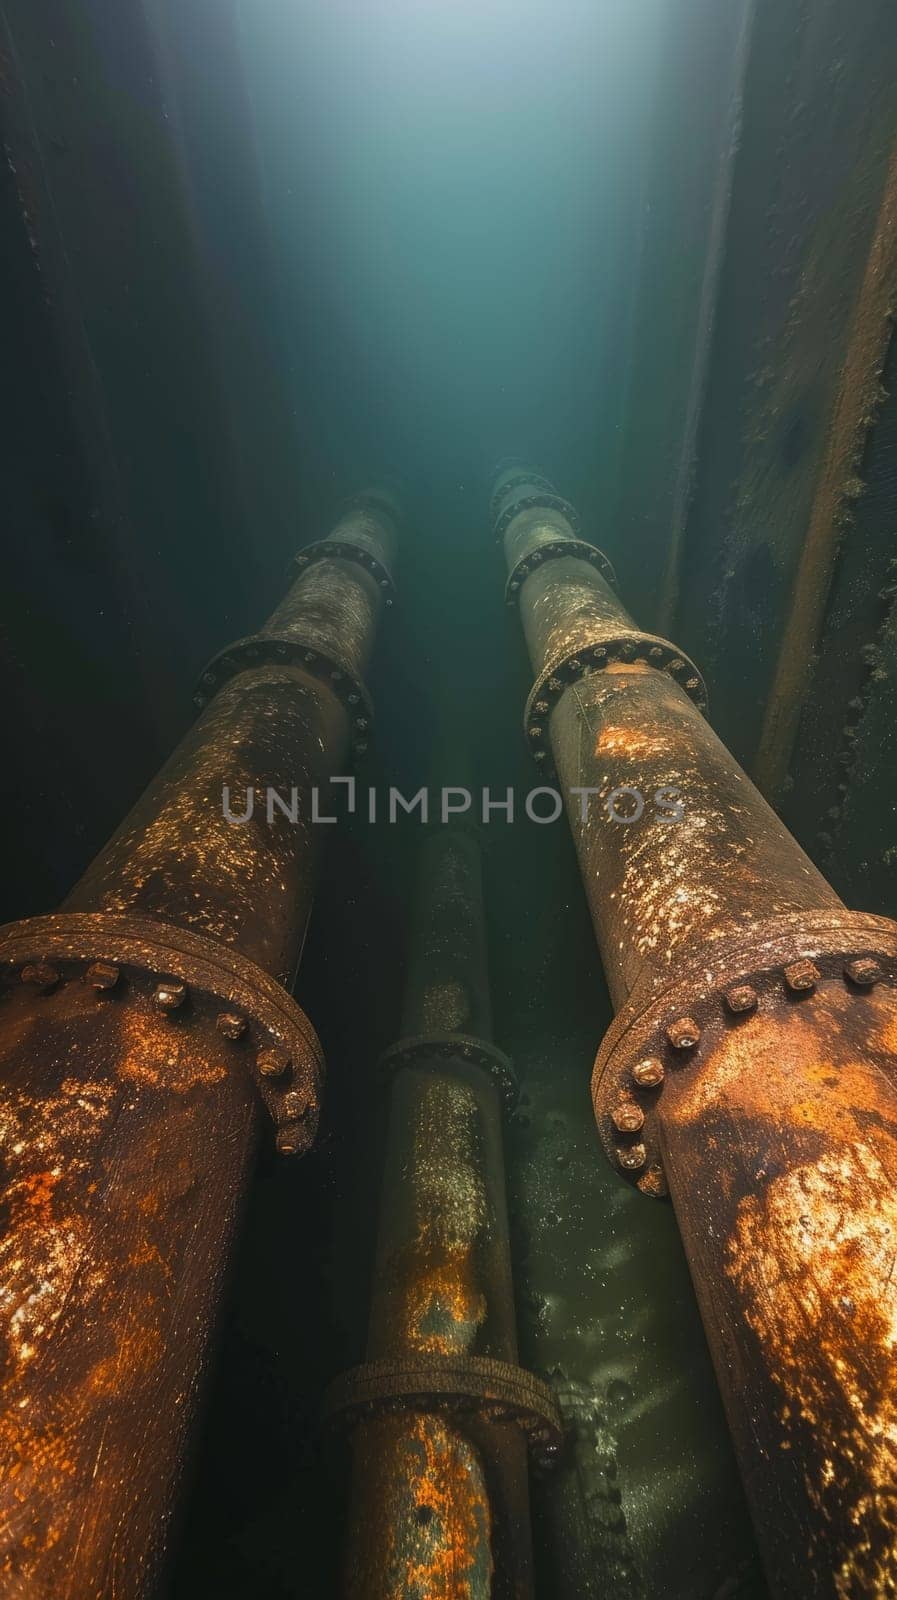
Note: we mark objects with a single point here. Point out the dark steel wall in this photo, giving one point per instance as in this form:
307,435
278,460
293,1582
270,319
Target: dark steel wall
765,504
134,485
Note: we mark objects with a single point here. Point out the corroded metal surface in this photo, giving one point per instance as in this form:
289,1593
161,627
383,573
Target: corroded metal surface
658,887
523,491
856,403
443,1271
786,1134
440,1501
327,621
198,983
423,1524
547,545
447,983
346,551
140,1029
462,1387
752,1069
789,410
462,1049
665,1027
178,857
127,1139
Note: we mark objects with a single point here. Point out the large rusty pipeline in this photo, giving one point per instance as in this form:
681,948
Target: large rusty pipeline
441,1410
142,1028
751,1065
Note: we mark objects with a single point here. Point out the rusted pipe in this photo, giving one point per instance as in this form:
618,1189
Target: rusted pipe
441,1409
141,1027
750,1067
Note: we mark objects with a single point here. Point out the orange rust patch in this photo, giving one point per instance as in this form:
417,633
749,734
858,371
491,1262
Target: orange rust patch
37,1192
422,1525
438,1272
155,1053
798,1109
632,742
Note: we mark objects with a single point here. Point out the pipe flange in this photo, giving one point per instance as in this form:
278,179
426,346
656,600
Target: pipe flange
779,963
529,502
192,980
572,549
342,550
457,1386
266,650
629,648
536,479
440,1049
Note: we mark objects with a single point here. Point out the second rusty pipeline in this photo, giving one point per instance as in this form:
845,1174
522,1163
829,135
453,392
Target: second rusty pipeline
441,1413
750,1070
144,1029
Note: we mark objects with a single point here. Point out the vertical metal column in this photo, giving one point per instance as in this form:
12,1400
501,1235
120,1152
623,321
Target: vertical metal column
751,1066
441,1409
139,1028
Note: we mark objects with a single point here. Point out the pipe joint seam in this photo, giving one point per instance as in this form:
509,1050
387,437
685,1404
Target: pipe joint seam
443,1051
557,550
225,1003
590,654
778,964
272,650
521,479
547,501
344,550
479,1387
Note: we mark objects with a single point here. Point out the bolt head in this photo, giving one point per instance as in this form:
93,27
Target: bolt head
230,1024
648,1074
102,975
684,1033
633,1158
627,1117
40,975
741,997
295,1104
864,971
273,1062
652,1182
801,976
170,996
